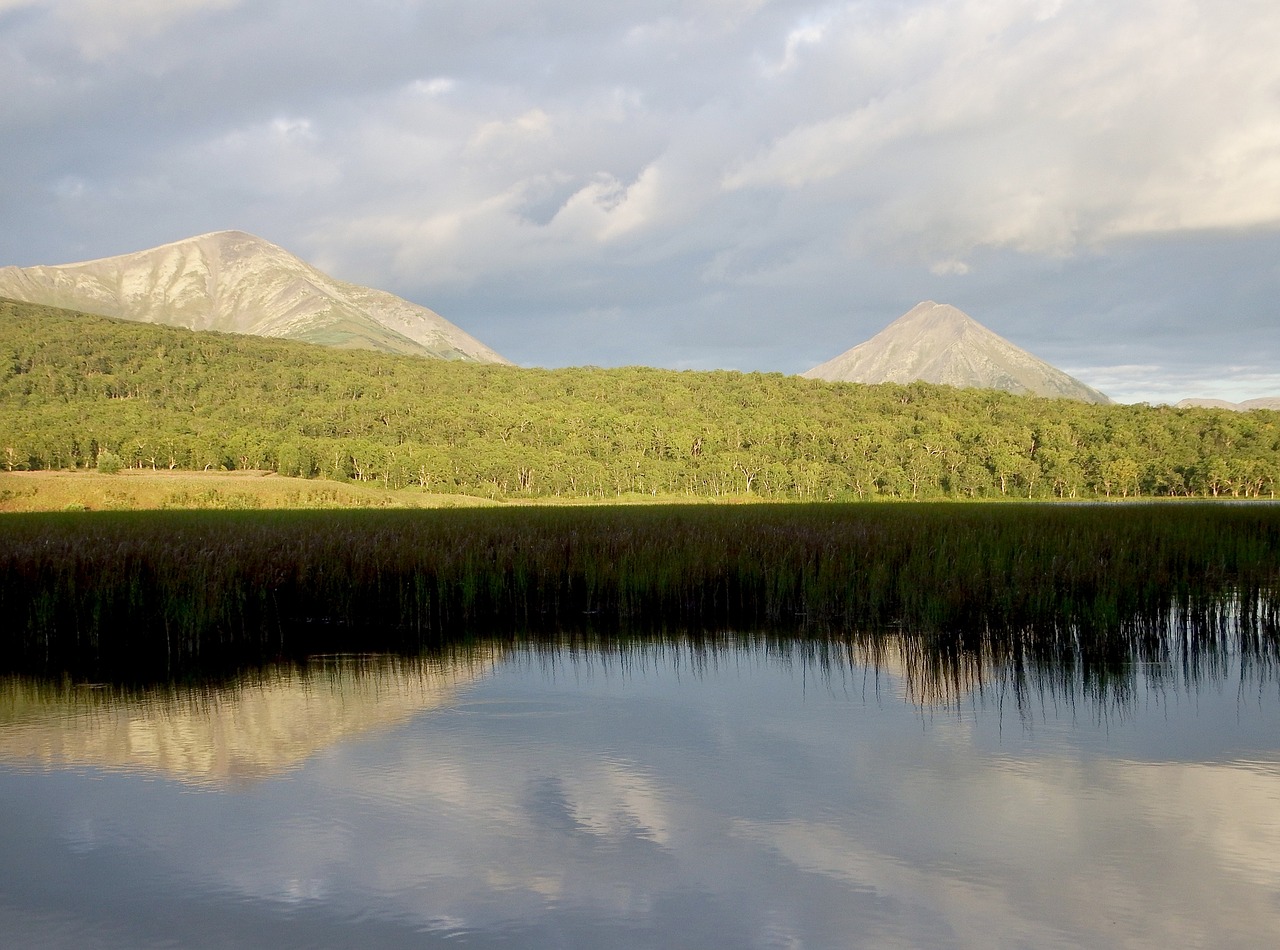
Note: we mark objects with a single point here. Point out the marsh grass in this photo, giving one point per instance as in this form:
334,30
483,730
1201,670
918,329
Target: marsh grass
127,594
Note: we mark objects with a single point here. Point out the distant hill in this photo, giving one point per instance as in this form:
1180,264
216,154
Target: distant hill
79,391
938,343
238,283
1265,402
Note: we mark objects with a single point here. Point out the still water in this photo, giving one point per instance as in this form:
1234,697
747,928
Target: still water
662,795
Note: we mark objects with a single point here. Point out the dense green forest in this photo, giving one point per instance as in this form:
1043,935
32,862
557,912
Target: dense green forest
80,391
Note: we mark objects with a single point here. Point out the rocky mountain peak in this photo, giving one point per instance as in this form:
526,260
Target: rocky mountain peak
939,343
239,283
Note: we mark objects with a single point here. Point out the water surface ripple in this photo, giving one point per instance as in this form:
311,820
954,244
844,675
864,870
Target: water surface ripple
674,794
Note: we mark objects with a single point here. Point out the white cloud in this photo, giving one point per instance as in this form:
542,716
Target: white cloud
992,123
607,208
293,130
438,86
285,155
949,268
505,135
809,34
102,28
814,153
1157,383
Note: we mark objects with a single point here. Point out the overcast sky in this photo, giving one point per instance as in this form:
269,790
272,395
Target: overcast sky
736,184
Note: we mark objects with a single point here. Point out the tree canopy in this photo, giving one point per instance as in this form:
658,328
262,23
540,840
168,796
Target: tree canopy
75,388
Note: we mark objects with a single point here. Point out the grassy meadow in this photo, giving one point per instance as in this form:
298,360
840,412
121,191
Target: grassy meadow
165,593
147,490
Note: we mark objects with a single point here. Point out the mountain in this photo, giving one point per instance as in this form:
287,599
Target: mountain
1263,402
238,283
938,343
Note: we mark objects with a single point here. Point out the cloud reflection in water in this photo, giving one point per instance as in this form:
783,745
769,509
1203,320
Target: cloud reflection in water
669,796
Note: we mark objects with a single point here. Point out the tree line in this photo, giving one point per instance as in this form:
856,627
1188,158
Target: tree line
76,390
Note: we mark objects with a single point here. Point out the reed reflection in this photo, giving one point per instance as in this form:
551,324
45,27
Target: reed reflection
272,718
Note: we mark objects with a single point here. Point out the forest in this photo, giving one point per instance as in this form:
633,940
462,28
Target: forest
80,391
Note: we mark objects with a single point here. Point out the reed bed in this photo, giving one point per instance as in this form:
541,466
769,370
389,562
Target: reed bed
117,594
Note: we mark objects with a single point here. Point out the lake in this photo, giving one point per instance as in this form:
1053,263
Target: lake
673,792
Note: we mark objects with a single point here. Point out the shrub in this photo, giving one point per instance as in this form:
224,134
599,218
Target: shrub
108,463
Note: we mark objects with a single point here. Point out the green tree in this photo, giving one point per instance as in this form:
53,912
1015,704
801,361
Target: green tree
108,463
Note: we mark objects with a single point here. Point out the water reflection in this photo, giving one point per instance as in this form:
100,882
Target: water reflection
681,792
256,725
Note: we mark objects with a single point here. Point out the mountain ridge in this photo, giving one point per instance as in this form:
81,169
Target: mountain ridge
1248,405
239,283
939,343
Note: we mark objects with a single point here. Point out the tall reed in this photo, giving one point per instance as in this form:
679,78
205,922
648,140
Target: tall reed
106,593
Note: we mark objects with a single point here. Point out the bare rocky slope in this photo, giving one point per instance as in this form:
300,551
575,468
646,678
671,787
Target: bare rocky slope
1263,402
238,283
938,343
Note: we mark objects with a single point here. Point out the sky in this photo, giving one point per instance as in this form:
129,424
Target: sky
692,184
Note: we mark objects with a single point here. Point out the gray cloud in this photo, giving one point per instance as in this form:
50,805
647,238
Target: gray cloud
729,183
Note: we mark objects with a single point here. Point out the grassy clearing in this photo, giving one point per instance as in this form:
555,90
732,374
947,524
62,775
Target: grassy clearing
146,490
158,593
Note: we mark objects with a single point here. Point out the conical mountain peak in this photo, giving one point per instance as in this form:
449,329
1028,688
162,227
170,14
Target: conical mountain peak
939,343
239,283
940,320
